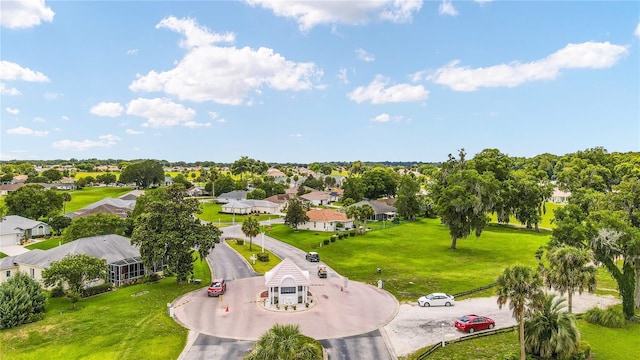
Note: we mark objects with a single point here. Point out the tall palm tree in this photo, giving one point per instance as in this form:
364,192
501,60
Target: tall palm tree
522,287
570,270
251,228
66,197
366,211
552,332
284,342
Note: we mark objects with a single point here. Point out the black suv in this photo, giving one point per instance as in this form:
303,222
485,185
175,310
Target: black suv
313,257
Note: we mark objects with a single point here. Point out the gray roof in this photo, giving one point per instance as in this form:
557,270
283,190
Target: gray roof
261,203
113,248
120,203
13,223
234,204
378,206
235,194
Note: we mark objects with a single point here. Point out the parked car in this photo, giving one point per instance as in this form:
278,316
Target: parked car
312,256
436,299
471,323
218,287
322,272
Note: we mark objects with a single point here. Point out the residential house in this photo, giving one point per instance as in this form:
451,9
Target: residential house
316,198
233,195
559,196
236,207
114,206
132,195
262,206
7,188
168,180
281,199
287,284
335,195
123,259
14,228
382,211
197,191
326,220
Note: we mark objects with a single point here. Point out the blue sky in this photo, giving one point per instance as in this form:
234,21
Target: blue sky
301,81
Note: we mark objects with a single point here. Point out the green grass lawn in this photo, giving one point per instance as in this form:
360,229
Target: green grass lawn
45,244
211,212
129,323
89,195
259,267
547,217
606,343
2,255
415,257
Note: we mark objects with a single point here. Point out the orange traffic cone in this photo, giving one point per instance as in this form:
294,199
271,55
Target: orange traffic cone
227,310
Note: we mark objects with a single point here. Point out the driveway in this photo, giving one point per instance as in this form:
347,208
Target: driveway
12,250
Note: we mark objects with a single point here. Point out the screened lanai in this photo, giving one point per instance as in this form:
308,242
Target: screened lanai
125,271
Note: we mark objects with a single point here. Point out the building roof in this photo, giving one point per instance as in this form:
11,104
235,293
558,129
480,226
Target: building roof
12,224
119,203
235,194
559,193
113,248
105,209
326,215
260,203
279,198
286,267
275,172
235,204
132,195
316,195
378,207
11,187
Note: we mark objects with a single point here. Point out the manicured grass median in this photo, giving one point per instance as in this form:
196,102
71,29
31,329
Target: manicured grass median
260,266
415,257
129,323
211,213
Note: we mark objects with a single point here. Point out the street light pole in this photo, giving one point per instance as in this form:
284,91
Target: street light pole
262,241
442,331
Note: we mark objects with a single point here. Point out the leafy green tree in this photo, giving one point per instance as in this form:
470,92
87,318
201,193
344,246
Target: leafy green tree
528,198
296,214
365,212
144,174
353,212
521,286
353,188
327,169
256,194
167,232
379,182
570,270
107,178
76,270
181,179
34,202
285,342
20,297
552,333
251,229
241,166
94,225
224,184
52,175
59,223
270,188
313,183
408,205
357,167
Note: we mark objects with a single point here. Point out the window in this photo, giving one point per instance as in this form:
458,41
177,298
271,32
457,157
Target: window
288,290
32,272
299,288
8,273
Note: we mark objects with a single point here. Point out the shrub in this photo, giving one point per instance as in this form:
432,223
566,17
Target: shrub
326,241
352,233
583,353
57,292
293,306
275,300
16,306
95,290
610,317
240,241
264,257
333,238
286,307
306,304
153,277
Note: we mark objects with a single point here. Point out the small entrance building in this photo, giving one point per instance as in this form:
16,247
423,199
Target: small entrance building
287,284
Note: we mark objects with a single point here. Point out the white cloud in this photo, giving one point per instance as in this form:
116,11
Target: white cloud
418,75
24,13
163,113
311,13
637,32
39,119
364,55
64,117
21,130
295,135
376,92
594,55
134,132
103,141
194,34
215,116
13,111
110,109
4,90
482,2
342,75
12,71
132,52
225,75
382,118
446,8
53,96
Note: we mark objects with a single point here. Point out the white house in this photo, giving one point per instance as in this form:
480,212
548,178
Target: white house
232,195
13,228
326,220
236,207
262,206
287,284
316,198
559,196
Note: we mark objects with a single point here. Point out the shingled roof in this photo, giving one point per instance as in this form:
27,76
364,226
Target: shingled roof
326,215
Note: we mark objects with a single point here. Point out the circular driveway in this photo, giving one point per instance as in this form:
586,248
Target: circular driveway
354,310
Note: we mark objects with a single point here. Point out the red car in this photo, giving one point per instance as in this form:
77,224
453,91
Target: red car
218,287
471,323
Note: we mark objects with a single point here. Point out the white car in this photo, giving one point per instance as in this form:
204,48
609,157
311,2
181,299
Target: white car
436,299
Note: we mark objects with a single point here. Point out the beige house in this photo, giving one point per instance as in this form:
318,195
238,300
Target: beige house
287,284
326,220
316,198
559,196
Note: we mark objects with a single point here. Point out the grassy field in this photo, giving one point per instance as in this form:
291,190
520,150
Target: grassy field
259,267
45,244
89,195
3,255
415,257
129,323
606,343
547,217
211,212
